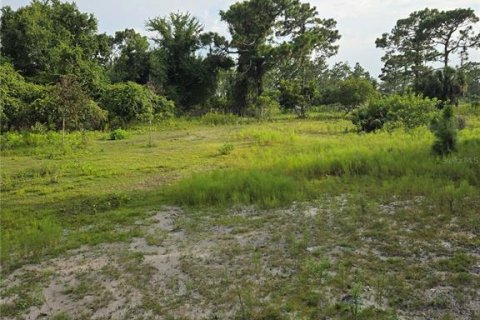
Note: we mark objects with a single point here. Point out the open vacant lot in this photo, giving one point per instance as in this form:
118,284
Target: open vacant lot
229,218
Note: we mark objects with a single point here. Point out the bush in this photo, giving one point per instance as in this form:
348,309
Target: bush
408,110
293,96
162,107
68,101
16,97
461,122
445,130
266,107
226,148
354,91
130,101
118,134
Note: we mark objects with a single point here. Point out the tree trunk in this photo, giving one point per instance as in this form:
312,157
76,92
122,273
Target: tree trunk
63,130
445,78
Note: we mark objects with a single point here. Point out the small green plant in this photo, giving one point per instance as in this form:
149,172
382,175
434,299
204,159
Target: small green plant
354,299
226,149
118,134
445,130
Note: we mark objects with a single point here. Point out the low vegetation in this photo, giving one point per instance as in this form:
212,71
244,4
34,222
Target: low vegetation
198,176
93,191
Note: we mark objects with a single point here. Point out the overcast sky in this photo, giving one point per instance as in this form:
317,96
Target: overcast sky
360,21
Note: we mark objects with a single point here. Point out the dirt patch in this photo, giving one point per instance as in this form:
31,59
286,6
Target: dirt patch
320,257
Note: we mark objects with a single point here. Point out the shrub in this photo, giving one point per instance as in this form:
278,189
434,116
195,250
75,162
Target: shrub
445,130
408,110
266,107
461,122
118,134
162,107
66,103
226,148
16,97
293,96
127,101
130,101
354,91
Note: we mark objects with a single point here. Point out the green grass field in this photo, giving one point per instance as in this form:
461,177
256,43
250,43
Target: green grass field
285,219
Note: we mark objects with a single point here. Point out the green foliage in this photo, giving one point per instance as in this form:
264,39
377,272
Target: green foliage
162,107
34,239
44,141
24,105
294,96
408,111
447,85
445,130
459,262
218,119
343,85
128,101
265,189
427,36
290,96
119,134
354,91
48,38
265,107
71,108
186,77
226,149
133,60
254,26
16,97
408,49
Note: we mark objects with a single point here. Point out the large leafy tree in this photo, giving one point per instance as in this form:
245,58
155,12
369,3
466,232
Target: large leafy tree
425,37
452,31
471,70
48,38
265,32
131,61
74,108
185,76
408,48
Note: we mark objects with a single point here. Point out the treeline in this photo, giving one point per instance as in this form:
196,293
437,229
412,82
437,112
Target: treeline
59,72
419,52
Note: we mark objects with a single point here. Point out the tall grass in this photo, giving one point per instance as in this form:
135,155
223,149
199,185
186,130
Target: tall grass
32,241
275,178
234,186
48,204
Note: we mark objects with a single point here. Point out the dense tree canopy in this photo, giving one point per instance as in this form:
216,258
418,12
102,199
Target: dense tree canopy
417,42
266,32
131,60
57,70
49,38
185,76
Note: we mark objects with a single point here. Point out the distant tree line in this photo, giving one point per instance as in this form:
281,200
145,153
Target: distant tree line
419,51
58,71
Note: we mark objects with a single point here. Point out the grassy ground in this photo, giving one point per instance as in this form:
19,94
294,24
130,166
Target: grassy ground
294,219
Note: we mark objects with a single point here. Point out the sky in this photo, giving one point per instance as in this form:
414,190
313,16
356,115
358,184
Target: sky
360,22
